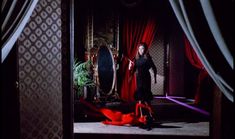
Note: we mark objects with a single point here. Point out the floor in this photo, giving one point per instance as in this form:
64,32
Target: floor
174,119
164,128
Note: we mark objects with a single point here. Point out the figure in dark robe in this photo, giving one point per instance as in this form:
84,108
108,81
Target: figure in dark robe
141,66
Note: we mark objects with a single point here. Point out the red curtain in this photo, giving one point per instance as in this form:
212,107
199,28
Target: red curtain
195,61
135,30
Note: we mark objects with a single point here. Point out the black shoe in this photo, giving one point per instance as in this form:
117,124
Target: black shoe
149,128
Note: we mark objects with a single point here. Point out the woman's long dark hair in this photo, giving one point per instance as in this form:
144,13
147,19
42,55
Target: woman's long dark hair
146,53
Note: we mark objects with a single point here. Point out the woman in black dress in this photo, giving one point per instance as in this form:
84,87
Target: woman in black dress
142,64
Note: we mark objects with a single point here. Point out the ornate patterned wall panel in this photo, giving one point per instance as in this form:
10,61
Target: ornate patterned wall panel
40,73
157,53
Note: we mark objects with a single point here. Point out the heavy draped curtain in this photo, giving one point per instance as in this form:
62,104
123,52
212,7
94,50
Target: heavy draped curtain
195,61
14,16
135,30
210,36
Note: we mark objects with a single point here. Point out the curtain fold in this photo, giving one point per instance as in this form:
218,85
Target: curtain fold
135,30
214,28
181,13
17,15
195,61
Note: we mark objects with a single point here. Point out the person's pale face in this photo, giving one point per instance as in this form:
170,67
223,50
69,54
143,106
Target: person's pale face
141,49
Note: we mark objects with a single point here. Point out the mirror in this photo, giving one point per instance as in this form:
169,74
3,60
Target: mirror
101,47
105,70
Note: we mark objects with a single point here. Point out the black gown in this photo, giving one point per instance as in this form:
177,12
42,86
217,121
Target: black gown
142,66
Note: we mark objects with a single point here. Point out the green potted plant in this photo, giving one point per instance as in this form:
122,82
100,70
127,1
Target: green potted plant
82,77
